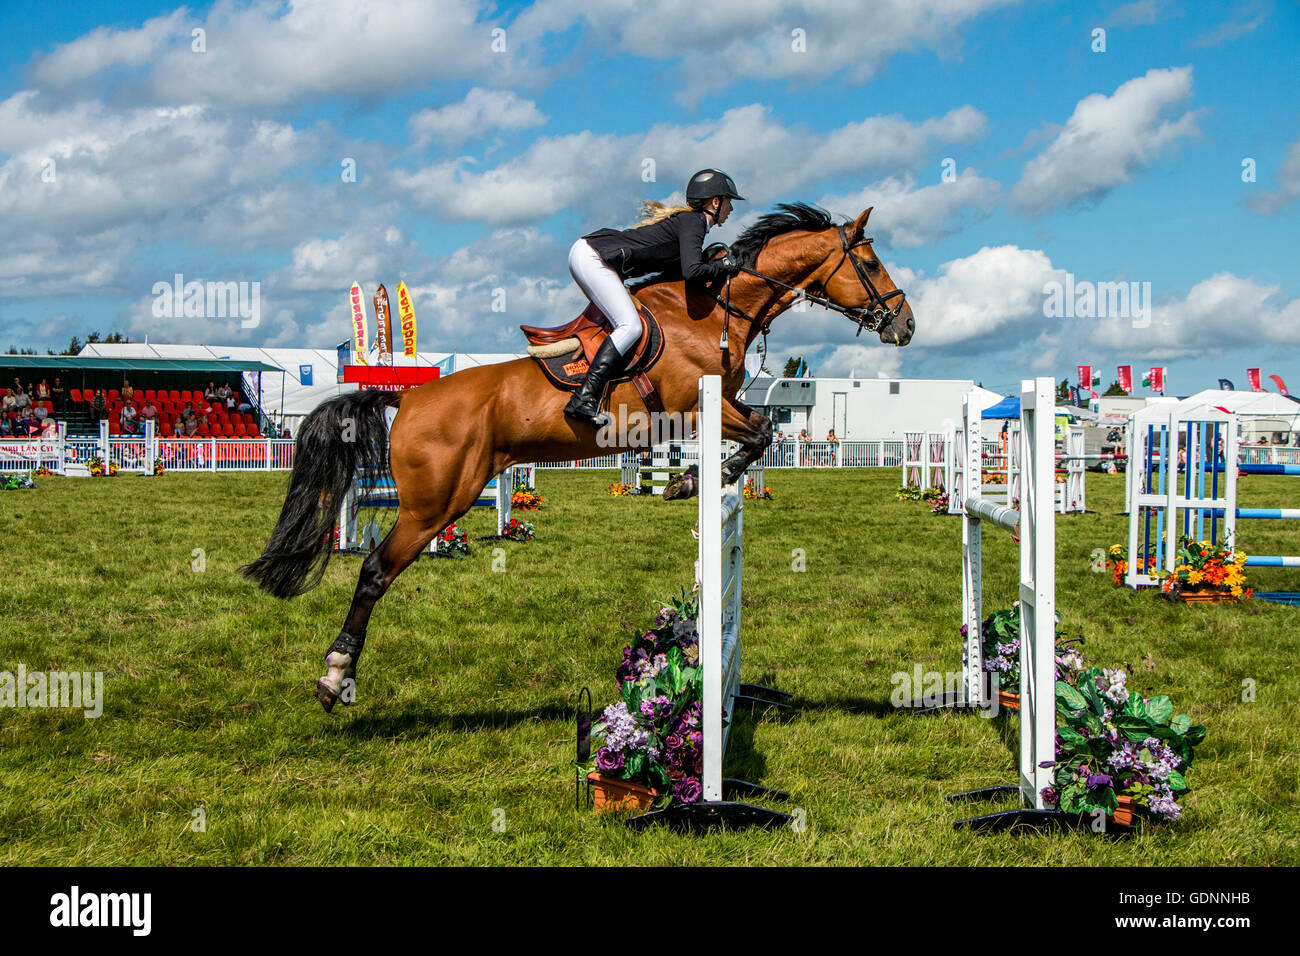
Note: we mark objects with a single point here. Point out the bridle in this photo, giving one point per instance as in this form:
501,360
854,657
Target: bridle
872,316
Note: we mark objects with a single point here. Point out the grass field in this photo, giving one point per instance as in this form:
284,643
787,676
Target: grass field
465,692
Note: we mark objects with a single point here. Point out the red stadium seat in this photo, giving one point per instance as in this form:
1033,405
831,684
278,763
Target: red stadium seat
173,396
75,394
113,427
113,395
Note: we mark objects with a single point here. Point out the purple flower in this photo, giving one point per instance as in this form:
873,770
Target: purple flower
674,743
608,761
688,790
1096,780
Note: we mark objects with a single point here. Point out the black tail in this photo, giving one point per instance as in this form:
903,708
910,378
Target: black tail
339,439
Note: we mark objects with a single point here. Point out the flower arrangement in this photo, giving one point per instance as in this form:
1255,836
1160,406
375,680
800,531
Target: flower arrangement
618,489
1000,642
98,469
654,733
909,493
993,477
43,472
453,542
1117,563
1112,743
1201,566
751,492
158,466
526,499
17,480
517,530
939,505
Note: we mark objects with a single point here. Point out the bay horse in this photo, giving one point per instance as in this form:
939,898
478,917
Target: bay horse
453,434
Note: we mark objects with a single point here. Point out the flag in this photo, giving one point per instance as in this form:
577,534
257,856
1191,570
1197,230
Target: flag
1281,385
1155,379
1225,385
406,316
1126,379
359,347
1085,376
383,326
1252,376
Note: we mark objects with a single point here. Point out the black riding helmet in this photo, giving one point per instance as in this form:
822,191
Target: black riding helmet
708,183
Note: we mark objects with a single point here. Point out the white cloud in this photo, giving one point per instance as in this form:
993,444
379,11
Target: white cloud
862,361
1288,185
724,42
1107,140
1222,312
987,300
480,113
908,217
602,173
268,53
104,48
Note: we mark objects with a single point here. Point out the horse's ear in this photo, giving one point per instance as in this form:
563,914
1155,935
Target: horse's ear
860,224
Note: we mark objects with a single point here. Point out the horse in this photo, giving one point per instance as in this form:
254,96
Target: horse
451,435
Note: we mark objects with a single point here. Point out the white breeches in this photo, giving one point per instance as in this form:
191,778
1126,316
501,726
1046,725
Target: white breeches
606,291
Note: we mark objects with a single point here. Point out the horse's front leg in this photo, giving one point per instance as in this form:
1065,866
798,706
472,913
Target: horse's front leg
740,423
752,429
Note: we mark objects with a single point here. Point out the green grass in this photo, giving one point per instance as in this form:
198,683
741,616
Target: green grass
467,684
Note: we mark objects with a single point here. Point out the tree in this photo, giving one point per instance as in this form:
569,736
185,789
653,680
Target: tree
794,365
1114,390
1063,391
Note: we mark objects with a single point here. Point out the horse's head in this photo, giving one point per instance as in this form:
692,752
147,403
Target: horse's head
859,283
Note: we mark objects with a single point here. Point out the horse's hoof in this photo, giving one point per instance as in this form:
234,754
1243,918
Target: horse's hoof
683,487
326,695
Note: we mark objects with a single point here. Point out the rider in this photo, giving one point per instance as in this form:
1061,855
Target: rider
665,239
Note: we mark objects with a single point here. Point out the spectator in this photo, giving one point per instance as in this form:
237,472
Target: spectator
150,411
178,428
128,393
127,418
210,393
43,391
830,437
224,394
58,395
6,426
803,435
21,399
10,404
98,406
39,412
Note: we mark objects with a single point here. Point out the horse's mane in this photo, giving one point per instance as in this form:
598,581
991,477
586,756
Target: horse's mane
789,217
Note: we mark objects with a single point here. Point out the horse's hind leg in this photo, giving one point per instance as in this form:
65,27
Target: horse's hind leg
402,545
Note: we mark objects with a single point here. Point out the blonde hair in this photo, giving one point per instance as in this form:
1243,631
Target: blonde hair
653,211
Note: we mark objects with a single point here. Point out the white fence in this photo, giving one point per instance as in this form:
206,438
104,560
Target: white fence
138,453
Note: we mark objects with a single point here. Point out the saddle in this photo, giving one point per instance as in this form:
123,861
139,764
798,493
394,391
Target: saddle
565,353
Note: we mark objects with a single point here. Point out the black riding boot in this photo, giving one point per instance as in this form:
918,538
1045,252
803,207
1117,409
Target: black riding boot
585,403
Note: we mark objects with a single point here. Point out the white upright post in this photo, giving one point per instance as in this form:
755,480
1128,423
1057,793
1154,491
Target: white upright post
978,686
1037,588
103,442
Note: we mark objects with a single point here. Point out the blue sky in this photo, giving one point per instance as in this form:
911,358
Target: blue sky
478,167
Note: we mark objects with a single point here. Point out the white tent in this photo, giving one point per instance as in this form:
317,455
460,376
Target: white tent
1260,413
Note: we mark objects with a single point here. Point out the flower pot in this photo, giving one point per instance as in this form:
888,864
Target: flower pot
1205,597
609,793
1008,700
1123,815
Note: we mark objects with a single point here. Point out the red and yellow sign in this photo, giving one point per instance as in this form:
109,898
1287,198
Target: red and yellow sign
406,315
359,346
